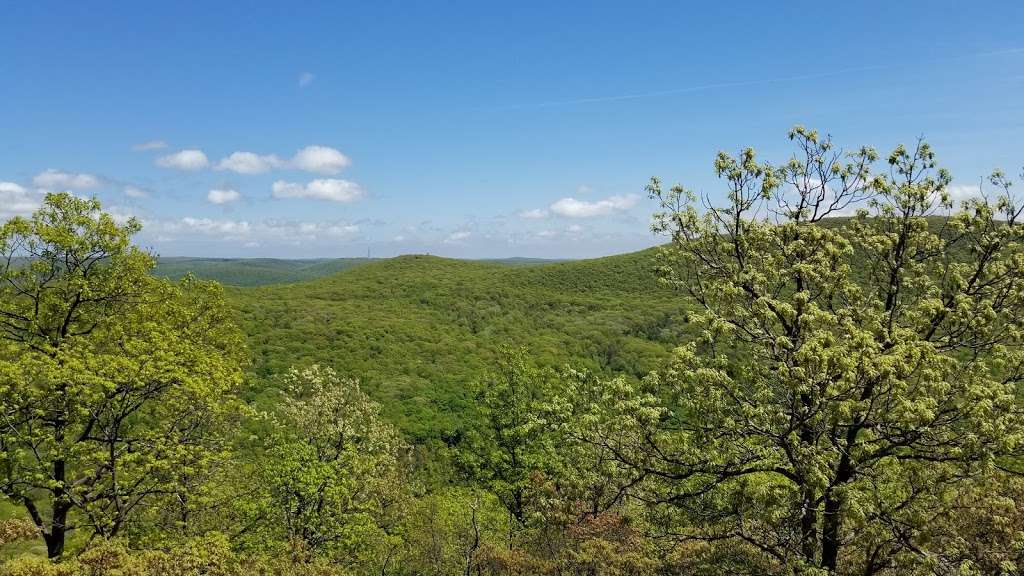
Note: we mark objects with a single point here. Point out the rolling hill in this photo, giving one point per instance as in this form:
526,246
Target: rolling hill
417,330
254,271
264,271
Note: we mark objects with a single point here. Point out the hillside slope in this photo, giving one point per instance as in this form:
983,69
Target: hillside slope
264,271
417,330
254,271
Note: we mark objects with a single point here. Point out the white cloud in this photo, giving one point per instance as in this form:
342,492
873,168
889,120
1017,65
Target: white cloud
305,79
184,160
342,230
222,196
459,236
319,159
57,180
251,233
958,193
573,208
151,145
134,191
16,200
324,189
249,163
120,214
535,214
208,226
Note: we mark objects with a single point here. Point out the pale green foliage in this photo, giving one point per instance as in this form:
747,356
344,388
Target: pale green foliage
111,382
850,379
445,532
333,471
512,448
210,555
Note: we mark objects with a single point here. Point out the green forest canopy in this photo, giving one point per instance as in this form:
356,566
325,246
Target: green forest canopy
777,390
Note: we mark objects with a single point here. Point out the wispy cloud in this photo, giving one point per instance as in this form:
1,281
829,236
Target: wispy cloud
747,83
249,232
151,145
458,236
305,79
535,214
133,191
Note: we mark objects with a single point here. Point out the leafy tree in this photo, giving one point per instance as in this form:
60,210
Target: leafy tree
334,470
512,446
110,380
853,374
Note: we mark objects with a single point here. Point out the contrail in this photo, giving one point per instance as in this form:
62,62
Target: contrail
742,83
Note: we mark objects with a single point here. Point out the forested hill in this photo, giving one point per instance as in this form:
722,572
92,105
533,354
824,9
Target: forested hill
253,271
417,330
264,271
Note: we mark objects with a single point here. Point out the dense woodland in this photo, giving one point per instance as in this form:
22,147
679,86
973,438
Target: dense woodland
818,373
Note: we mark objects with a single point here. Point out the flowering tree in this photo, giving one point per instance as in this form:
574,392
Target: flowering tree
852,373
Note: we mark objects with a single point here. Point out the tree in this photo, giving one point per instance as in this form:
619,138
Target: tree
110,379
853,373
333,469
512,447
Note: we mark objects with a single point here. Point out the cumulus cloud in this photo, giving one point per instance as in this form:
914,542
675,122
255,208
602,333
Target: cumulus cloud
535,214
57,180
189,160
222,196
132,191
324,189
151,145
16,200
573,208
305,79
319,159
249,163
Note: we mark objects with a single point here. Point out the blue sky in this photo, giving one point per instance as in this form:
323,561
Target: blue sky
471,129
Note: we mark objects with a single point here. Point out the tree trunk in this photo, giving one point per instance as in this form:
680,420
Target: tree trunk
830,534
809,511
808,526
54,544
58,522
